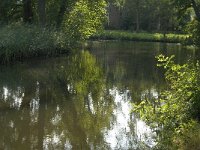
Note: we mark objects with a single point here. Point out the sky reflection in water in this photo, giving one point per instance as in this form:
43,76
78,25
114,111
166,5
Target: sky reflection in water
82,101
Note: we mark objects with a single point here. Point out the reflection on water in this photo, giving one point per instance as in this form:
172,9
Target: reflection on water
82,101
127,131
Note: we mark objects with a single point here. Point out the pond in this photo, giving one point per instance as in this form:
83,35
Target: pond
83,101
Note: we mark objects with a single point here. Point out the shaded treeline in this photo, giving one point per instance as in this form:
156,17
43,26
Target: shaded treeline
31,28
152,15
43,12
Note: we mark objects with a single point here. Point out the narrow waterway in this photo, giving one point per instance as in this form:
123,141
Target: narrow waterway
83,101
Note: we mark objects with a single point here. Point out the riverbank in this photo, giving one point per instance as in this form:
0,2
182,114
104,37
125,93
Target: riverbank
18,42
143,36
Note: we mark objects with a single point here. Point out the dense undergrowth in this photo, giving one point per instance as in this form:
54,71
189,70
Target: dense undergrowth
24,41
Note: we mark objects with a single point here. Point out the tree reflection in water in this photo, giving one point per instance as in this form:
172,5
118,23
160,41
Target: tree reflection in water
58,108
81,101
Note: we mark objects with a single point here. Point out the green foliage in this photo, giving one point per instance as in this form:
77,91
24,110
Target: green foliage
142,36
184,5
10,11
22,41
194,28
147,15
83,20
118,3
177,107
190,136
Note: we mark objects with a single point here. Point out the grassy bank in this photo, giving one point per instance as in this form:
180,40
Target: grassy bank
20,41
148,37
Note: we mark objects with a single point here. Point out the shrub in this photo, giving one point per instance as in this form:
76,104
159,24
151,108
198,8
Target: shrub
84,20
194,28
21,41
176,111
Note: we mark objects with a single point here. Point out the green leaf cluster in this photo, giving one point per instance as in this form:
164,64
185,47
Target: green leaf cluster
177,109
194,28
24,41
83,20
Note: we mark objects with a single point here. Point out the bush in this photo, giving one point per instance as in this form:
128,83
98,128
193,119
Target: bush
178,108
189,140
21,41
194,28
84,20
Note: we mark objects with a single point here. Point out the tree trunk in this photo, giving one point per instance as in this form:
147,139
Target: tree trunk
27,11
41,12
61,12
137,21
137,15
159,24
159,18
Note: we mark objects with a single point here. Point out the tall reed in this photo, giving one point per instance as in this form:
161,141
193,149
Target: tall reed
24,41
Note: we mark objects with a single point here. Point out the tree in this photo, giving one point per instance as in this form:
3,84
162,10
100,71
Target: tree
84,19
138,8
27,11
183,5
149,15
10,11
194,26
42,12
196,7
61,12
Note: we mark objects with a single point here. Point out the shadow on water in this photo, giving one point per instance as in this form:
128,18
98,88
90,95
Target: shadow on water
82,101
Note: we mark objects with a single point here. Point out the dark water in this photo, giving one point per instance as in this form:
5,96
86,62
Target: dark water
82,101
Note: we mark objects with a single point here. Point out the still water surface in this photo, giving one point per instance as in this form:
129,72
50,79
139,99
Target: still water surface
83,101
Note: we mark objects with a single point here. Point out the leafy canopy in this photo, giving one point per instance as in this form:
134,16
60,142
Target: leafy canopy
84,20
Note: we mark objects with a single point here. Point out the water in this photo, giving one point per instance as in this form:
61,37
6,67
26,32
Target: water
83,101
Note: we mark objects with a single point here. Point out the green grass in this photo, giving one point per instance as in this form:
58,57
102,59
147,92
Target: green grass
144,36
22,41
18,41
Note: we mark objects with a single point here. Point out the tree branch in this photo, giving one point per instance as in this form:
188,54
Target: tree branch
196,9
